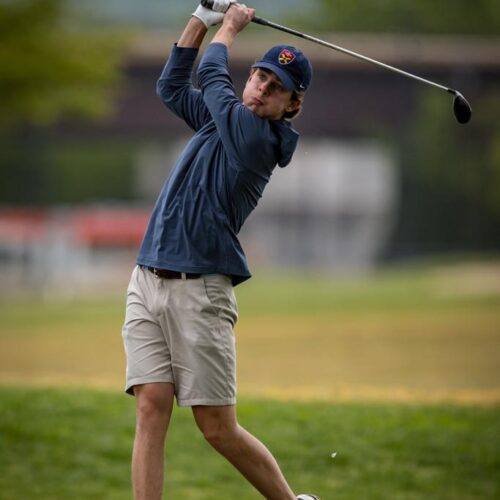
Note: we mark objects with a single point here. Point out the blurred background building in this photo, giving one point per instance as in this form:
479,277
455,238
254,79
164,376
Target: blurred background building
383,172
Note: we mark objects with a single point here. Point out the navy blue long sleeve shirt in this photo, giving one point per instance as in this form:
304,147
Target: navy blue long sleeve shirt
221,174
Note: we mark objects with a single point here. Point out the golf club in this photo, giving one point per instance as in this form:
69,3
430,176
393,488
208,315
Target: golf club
461,108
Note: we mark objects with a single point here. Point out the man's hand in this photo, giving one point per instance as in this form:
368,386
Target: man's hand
211,17
237,17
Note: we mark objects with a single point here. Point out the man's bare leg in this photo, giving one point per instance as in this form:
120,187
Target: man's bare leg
154,403
255,462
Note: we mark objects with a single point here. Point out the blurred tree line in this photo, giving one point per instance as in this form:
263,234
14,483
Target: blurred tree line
54,66
449,179
481,17
49,65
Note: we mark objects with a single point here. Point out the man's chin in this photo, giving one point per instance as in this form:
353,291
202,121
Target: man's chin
261,113
256,109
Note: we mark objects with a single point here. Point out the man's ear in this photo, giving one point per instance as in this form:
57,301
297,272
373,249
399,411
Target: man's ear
293,105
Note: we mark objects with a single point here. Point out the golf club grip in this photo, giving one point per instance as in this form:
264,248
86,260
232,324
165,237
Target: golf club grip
208,4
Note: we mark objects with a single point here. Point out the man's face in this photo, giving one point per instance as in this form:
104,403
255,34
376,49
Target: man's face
266,96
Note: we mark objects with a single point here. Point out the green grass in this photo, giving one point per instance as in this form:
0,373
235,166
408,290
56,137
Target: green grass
61,444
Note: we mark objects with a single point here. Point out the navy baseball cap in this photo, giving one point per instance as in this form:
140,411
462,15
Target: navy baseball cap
289,64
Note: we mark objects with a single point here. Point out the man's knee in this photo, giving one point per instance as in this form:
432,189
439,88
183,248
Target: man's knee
154,402
218,426
219,437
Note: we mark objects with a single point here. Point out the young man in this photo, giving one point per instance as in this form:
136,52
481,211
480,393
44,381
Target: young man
181,308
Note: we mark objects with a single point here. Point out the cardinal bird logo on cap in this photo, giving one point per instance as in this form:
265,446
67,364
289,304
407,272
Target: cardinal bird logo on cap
286,56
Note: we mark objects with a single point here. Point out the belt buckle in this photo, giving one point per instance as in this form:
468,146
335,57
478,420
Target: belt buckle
155,272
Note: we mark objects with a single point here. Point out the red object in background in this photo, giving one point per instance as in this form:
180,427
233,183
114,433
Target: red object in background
95,227
109,226
22,225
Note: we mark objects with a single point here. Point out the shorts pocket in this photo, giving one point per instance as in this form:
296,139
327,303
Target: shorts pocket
220,293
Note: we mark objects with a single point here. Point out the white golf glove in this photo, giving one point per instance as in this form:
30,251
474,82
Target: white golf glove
215,15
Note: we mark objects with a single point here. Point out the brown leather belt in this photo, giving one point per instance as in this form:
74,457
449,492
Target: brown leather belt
171,275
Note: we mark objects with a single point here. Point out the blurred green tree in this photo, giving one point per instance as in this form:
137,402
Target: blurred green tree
408,16
50,66
450,180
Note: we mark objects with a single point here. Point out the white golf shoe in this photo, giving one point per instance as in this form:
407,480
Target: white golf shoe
305,496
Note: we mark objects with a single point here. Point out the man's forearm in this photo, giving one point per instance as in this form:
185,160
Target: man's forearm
193,34
225,35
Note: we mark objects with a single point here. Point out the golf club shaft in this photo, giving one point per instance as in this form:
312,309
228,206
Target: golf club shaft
265,22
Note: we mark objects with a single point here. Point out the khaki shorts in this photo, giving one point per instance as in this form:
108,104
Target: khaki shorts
181,332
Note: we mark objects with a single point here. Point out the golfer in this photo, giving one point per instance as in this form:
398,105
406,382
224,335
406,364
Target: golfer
181,307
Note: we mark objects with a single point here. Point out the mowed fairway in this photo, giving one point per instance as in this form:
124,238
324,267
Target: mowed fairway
422,334
67,444
398,373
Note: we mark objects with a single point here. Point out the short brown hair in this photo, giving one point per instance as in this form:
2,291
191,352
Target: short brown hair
296,96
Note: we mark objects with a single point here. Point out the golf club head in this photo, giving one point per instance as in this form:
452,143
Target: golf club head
461,108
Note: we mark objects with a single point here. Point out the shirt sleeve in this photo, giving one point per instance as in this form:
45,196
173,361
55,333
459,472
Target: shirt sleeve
175,88
247,138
